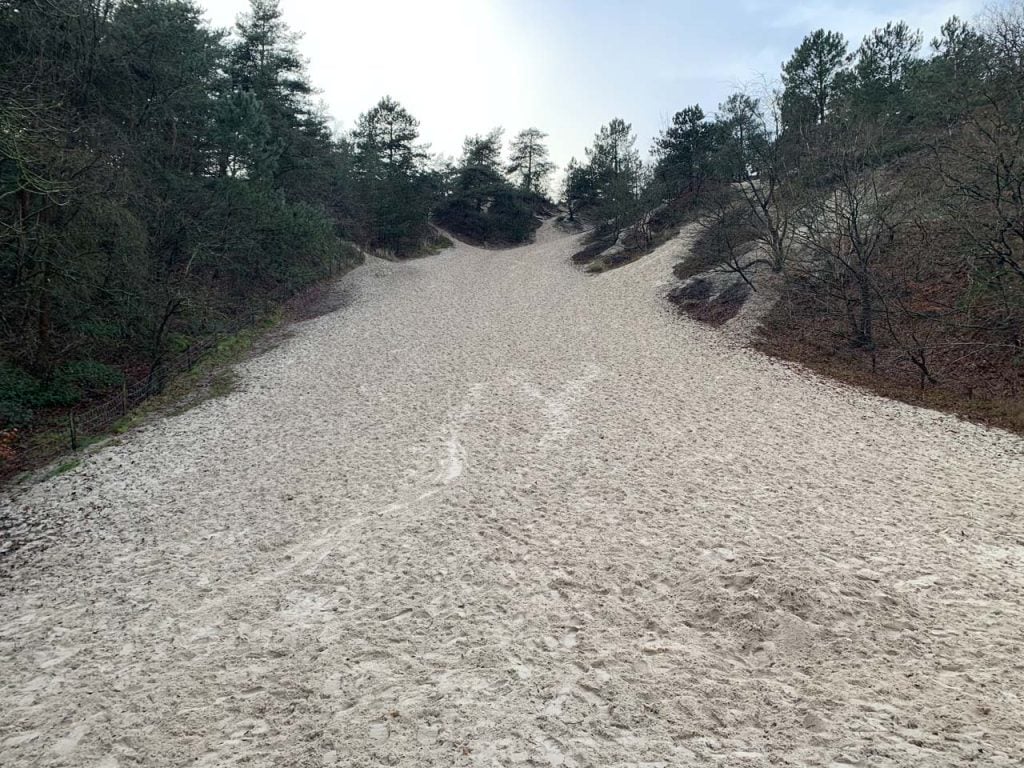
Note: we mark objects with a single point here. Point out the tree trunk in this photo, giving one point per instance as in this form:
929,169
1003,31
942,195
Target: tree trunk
866,336
41,363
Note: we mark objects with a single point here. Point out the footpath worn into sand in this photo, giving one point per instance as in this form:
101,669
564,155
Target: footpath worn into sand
496,512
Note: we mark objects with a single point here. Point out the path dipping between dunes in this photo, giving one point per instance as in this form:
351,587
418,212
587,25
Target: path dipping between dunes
497,512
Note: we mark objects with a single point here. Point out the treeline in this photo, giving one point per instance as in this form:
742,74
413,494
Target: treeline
491,201
882,186
160,180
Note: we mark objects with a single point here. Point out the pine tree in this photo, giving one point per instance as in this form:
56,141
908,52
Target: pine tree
743,138
395,189
884,61
812,79
683,151
385,139
480,166
265,60
615,170
577,187
529,164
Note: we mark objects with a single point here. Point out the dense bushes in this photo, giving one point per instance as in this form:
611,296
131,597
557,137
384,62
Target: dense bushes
158,180
485,202
505,217
21,393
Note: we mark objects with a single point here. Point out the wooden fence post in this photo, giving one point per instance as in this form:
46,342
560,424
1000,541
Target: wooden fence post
73,430
124,396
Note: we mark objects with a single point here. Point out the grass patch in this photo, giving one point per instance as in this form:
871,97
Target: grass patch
223,383
211,377
63,467
435,244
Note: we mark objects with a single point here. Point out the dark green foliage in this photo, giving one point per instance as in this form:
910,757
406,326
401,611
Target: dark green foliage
506,218
942,86
159,182
742,140
885,61
814,78
611,186
482,206
578,189
512,215
682,151
21,393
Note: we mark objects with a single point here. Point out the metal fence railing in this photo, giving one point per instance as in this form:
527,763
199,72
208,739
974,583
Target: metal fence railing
57,430
98,417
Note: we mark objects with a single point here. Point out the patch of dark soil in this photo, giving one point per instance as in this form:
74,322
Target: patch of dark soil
622,258
697,299
593,250
887,372
695,291
572,226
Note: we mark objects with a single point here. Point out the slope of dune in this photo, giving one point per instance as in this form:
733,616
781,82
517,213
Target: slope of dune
496,512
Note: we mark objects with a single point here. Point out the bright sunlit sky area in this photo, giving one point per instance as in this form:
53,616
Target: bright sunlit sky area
564,66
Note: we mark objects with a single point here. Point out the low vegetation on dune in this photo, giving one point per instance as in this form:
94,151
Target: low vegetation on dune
876,194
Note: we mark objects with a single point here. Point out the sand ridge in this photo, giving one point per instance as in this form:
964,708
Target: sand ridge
496,512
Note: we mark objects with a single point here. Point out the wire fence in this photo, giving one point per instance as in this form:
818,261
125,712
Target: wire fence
100,417
57,430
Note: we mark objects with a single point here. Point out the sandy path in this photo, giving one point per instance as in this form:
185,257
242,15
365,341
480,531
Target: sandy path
495,512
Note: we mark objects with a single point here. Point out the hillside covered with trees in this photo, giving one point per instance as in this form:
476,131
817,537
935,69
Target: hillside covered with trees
161,181
878,188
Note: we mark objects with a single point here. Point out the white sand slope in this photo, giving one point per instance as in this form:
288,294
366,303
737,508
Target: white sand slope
495,512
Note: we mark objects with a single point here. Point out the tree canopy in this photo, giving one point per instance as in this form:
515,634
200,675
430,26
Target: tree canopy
157,177
528,163
813,78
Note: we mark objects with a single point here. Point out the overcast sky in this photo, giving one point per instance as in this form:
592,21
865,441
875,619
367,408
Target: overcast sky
565,66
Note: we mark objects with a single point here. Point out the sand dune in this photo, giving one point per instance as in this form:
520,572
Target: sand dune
495,512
